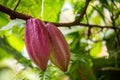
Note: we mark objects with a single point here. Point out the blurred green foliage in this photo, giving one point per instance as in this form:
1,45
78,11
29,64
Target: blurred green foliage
94,53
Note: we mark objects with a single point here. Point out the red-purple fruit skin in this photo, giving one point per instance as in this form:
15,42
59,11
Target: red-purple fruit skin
60,54
37,42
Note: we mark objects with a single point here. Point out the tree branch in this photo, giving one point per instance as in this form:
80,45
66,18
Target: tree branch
15,8
82,24
13,13
83,12
25,17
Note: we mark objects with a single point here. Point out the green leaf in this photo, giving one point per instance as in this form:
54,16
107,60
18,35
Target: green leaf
97,19
27,74
8,3
117,1
16,42
51,9
78,6
30,7
3,54
10,50
3,20
100,10
12,23
97,47
81,70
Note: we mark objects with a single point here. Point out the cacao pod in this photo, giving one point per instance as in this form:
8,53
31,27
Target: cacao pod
60,54
37,42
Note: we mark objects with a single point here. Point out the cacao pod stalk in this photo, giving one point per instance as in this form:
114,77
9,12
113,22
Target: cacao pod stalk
37,42
60,54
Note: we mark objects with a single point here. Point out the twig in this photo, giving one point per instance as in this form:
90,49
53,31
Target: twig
89,32
83,12
89,28
17,5
15,9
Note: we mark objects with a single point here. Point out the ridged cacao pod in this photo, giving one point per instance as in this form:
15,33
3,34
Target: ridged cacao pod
37,42
60,54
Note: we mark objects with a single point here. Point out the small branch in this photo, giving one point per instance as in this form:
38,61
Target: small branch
89,32
15,8
17,5
83,12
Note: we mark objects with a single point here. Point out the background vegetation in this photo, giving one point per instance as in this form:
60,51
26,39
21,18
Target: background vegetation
91,28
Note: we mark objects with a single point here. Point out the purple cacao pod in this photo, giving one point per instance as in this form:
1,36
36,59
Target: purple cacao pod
37,42
60,54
